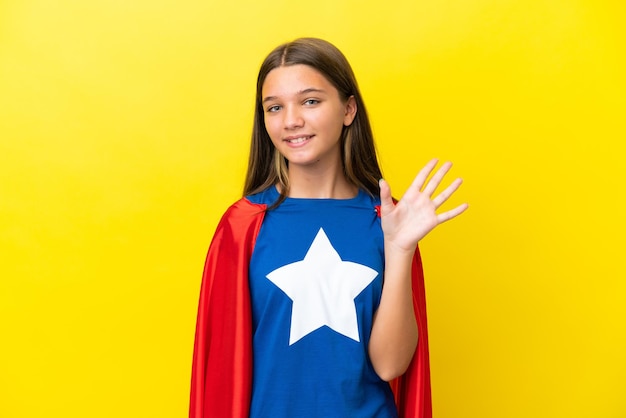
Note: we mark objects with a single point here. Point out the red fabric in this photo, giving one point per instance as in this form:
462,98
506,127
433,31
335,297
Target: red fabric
222,360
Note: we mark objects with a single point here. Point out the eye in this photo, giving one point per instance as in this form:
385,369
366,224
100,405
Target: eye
273,109
311,102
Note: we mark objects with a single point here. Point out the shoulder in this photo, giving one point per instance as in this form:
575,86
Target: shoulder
266,197
252,205
243,209
239,225
368,200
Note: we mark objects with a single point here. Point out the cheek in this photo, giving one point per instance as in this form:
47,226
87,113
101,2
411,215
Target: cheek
327,122
272,131
335,123
270,127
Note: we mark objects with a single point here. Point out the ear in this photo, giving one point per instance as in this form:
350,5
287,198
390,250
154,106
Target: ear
350,111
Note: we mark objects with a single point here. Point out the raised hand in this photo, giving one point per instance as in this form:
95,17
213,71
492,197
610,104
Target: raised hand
414,216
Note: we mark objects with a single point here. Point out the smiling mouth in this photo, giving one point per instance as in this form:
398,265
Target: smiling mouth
299,139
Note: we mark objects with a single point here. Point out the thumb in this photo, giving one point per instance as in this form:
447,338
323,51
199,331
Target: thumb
386,202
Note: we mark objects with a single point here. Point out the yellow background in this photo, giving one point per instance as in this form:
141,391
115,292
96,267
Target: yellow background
124,130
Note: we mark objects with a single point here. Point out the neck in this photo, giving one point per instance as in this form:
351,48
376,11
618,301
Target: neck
320,184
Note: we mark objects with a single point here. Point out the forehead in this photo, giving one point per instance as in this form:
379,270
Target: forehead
292,79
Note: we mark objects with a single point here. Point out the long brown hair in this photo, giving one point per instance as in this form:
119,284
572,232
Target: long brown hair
267,167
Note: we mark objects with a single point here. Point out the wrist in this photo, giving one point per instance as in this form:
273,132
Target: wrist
396,251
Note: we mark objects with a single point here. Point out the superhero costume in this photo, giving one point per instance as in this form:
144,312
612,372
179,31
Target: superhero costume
222,363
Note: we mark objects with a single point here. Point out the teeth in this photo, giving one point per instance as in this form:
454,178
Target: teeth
298,140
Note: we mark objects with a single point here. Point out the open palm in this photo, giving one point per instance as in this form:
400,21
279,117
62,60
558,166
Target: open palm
415,215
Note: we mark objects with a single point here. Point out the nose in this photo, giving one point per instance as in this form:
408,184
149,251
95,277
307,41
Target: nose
293,118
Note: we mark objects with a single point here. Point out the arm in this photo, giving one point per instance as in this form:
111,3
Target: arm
394,332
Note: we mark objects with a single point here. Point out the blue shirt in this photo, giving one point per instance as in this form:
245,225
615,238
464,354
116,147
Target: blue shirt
316,277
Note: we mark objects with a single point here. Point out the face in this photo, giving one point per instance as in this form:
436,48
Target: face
304,116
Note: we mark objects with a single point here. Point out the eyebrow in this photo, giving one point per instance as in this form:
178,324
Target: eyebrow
301,92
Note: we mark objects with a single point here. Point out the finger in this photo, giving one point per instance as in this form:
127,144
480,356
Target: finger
420,179
453,213
386,201
434,182
445,194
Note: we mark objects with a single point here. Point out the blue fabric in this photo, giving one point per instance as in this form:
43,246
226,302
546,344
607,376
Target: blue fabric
326,371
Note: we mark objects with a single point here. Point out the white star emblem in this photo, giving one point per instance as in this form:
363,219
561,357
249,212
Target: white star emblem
322,288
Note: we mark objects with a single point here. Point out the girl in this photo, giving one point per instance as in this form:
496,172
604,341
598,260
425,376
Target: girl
312,300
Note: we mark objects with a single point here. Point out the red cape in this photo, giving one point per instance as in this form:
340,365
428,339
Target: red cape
222,360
